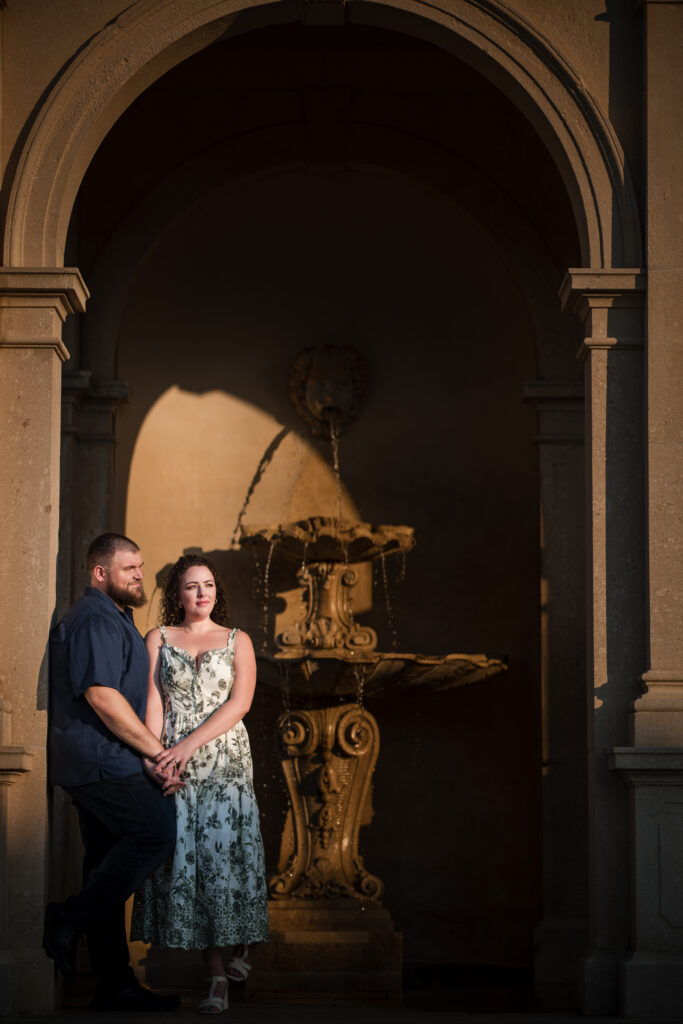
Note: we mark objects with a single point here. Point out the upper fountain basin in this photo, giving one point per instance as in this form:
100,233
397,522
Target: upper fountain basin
327,539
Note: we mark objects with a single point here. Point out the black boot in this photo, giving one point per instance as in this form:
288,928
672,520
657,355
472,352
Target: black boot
60,939
136,999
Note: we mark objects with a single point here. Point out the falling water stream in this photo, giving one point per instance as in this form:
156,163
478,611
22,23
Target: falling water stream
264,462
360,673
387,601
266,592
334,439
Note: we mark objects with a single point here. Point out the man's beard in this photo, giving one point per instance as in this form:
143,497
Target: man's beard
125,597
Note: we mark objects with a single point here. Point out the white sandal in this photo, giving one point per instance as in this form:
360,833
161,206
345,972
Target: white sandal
239,965
213,1003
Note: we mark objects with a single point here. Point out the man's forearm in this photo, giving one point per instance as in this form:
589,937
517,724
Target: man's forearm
114,710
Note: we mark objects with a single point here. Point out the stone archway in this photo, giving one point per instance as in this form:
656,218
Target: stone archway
154,35
119,63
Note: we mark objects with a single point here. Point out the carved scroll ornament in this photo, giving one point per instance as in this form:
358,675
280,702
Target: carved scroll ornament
328,758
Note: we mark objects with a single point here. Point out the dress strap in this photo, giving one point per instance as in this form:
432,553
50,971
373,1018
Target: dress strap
162,630
231,639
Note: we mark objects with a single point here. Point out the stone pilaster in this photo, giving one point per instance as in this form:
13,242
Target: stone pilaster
87,459
33,306
652,977
86,480
610,304
652,974
562,936
659,712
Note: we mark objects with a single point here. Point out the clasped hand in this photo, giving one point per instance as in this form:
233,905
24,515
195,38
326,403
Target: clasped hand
176,757
167,778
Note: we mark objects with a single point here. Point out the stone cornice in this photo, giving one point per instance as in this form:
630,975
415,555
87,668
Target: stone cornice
560,392
14,761
648,766
65,283
35,302
559,405
88,405
583,282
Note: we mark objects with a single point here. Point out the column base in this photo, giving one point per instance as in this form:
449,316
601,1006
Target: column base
328,950
28,983
559,944
599,983
652,985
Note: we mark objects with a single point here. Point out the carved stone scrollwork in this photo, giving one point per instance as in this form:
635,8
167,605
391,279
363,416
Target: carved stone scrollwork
329,757
328,625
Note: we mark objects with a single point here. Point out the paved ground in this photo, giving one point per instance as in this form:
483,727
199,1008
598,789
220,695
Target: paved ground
254,1013
246,1013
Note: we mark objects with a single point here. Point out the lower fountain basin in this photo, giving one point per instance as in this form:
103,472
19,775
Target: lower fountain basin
342,674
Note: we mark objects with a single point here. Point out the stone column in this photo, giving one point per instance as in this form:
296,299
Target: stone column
562,936
610,303
86,477
659,713
33,306
653,766
87,465
15,761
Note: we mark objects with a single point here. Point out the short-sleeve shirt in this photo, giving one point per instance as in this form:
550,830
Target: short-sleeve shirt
95,644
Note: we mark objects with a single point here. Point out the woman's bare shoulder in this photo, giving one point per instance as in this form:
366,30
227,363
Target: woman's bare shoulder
242,641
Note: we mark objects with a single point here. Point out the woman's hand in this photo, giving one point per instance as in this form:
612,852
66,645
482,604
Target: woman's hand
167,779
175,758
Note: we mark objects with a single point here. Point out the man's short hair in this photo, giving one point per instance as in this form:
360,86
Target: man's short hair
104,547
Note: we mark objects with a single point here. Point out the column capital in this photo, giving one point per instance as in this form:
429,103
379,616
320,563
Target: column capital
88,405
60,282
560,408
610,304
583,284
14,761
648,766
35,302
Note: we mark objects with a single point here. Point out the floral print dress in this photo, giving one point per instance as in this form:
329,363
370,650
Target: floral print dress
212,891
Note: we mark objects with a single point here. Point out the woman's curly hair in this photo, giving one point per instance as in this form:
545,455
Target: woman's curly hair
171,612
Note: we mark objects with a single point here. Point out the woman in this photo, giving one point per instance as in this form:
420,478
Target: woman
211,894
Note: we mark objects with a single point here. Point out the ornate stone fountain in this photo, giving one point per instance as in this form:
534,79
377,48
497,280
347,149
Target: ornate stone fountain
330,932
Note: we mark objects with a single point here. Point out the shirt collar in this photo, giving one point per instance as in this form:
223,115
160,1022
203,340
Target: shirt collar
99,595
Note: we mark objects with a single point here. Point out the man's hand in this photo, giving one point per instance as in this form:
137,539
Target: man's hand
169,781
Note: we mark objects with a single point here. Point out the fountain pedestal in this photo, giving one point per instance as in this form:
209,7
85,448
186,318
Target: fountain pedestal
328,758
330,937
328,949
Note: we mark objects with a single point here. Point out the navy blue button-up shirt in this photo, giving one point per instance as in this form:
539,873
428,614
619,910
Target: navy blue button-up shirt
94,644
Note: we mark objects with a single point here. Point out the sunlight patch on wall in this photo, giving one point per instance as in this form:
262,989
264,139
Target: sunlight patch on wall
194,461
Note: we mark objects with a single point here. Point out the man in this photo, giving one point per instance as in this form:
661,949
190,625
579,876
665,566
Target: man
97,743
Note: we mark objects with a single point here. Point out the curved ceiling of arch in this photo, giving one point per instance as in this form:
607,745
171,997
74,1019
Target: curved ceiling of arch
332,86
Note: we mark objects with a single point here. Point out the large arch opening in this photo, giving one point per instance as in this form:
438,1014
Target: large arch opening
294,185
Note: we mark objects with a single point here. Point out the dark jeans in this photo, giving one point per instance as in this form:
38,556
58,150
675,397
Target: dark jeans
128,828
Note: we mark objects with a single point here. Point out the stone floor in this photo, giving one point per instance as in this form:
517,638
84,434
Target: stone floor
431,1007
249,1013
